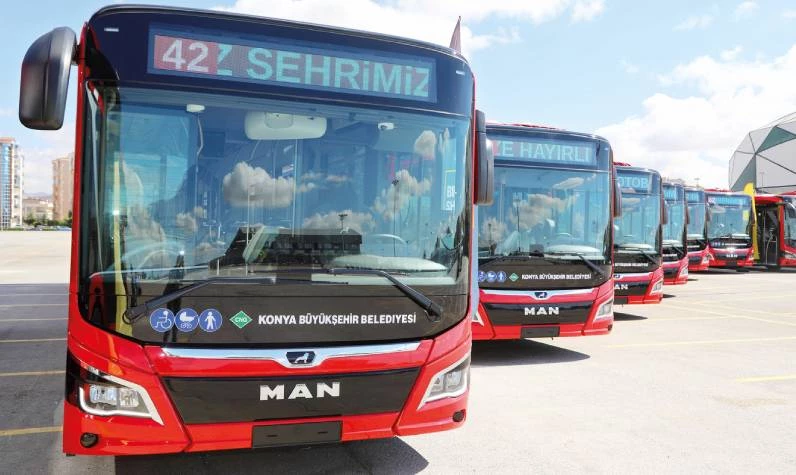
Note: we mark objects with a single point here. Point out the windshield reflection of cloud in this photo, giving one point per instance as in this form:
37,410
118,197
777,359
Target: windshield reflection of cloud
254,186
538,208
393,198
359,222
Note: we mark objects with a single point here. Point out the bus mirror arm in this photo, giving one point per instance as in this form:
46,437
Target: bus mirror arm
485,162
45,79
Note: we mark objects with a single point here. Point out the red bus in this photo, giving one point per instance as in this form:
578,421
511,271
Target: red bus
545,244
698,252
730,227
675,251
776,230
638,243
272,225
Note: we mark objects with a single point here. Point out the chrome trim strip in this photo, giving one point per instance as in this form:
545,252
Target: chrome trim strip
530,293
622,275
280,355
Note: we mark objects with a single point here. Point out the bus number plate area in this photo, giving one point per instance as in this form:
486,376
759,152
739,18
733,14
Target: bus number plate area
297,434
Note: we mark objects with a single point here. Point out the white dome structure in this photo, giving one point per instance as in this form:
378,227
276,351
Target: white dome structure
767,158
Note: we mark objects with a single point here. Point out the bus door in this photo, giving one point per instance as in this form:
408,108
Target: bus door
768,234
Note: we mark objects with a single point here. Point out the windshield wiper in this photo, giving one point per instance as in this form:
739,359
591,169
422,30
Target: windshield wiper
640,251
512,257
134,313
591,265
432,308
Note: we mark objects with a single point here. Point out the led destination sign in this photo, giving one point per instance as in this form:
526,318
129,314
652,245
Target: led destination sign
632,182
545,150
672,193
306,67
730,200
695,196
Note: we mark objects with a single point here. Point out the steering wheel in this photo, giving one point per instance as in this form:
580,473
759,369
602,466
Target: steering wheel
164,252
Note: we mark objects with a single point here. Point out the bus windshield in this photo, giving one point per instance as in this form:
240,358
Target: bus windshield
729,216
789,212
546,210
217,185
696,214
637,228
675,204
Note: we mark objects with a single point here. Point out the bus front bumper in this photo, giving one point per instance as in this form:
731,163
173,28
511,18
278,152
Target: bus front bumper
639,288
168,427
675,273
520,314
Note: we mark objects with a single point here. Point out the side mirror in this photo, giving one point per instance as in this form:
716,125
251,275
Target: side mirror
687,216
485,163
664,212
45,78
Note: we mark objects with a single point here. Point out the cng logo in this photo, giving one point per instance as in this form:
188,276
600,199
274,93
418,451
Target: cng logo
240,319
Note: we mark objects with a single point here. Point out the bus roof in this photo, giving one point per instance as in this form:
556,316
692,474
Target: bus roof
521,127
154,9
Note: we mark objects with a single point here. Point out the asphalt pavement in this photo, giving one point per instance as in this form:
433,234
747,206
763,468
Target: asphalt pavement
704,382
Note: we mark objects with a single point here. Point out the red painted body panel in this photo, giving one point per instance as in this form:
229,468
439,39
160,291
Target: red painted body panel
745,259
146,365
485,330
681,277
703,263
651,296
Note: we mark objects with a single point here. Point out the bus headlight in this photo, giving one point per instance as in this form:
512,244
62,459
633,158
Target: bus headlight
105,395
684,272
450,382
657,287
605,310
788,255
706,259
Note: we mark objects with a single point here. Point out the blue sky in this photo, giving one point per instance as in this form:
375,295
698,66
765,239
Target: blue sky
674,85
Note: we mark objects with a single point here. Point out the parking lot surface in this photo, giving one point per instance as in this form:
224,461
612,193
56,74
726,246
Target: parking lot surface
704,382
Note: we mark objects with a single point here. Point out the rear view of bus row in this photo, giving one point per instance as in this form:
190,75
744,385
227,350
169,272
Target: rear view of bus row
290,234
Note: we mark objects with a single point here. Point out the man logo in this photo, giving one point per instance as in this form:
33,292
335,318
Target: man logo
535,311
300,357
621,287
541,295
299,391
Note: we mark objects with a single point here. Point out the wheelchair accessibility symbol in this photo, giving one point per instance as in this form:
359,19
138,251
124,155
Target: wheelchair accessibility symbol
161,320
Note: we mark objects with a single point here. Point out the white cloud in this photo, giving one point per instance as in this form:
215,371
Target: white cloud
745,9
587,10
789,14
731,54
629,67
694,136
695,22
427,20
